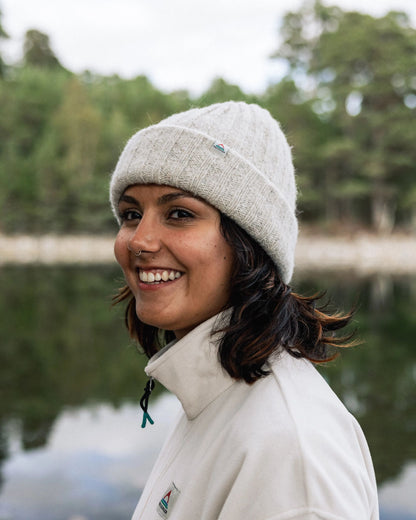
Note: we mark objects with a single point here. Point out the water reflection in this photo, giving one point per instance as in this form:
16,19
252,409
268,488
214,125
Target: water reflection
93,466
70,382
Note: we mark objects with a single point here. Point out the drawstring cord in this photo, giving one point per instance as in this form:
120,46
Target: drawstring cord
144,401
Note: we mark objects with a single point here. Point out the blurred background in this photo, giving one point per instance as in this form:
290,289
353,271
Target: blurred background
76,80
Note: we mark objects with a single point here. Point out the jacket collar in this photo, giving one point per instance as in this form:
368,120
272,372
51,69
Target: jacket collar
190,368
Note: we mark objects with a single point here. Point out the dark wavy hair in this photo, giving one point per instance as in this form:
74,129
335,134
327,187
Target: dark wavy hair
266,316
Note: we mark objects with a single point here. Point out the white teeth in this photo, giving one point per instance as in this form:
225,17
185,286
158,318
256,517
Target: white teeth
165,276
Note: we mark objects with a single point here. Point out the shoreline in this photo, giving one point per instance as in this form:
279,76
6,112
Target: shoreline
361,252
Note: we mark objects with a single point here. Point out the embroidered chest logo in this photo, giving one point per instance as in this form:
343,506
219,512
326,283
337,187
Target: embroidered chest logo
168,501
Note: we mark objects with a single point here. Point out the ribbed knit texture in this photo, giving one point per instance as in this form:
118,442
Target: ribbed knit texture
252,182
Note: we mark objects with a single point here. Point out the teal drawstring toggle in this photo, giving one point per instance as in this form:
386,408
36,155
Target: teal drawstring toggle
146,417
144,402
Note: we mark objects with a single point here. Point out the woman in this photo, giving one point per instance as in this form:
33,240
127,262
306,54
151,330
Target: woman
206,205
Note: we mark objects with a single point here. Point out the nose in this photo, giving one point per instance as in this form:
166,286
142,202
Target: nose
145,237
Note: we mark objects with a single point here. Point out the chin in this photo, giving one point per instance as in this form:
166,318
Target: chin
158,323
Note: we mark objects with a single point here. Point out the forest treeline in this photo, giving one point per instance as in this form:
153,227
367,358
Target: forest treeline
347,104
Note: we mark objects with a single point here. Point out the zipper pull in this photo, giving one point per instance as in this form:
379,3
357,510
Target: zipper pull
144,401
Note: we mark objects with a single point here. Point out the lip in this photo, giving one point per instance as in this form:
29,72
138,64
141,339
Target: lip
143,286
141,267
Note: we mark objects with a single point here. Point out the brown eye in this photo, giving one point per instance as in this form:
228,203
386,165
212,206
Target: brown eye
130,214
180,214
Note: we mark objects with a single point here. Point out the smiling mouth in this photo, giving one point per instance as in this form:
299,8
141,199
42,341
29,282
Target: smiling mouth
158,277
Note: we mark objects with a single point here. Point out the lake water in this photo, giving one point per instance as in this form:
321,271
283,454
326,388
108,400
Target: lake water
71,446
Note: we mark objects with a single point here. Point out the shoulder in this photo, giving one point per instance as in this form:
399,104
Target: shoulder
293,410
294,399
294,432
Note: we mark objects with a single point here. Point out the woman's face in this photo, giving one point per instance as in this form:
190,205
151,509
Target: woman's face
182,276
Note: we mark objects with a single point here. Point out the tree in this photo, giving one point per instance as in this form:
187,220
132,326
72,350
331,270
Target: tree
308,135
37,51
3,35
66,159
360,72
60,136
28,97
220,91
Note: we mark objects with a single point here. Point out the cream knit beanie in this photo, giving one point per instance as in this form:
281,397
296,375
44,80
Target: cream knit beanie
234,156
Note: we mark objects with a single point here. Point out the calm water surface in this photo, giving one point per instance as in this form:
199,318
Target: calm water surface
71,446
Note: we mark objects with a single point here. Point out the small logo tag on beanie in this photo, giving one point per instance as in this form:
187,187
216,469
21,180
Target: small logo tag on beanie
221,148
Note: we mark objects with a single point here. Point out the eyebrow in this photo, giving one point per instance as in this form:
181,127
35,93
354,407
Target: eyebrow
170,197
164,199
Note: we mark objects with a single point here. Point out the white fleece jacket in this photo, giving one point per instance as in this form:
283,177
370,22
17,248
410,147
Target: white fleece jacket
282,448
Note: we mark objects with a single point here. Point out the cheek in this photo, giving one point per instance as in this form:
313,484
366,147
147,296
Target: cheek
226,262
214,255
120,248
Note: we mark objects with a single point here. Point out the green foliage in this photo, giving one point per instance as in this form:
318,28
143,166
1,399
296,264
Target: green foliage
3,35
60,136
307,134
28,99
37,51
347,104
71,345
360,74
220,91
